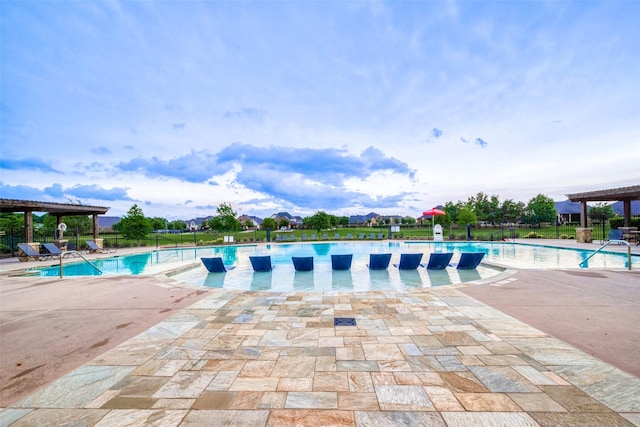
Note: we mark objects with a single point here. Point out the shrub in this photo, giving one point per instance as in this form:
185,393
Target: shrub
532,235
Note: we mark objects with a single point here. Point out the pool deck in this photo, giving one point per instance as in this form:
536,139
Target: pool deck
525,348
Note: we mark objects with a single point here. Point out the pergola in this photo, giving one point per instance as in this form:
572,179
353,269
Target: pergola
624,194
58,209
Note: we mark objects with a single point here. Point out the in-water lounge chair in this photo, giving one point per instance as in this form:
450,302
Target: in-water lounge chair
261,263
215,265
469,260
379,261
409,261
302,263
439,260
341,262
26,252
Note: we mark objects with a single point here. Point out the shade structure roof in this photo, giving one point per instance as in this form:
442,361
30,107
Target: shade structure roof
610,195
69,209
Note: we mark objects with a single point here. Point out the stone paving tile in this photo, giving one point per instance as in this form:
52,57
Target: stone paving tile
428,357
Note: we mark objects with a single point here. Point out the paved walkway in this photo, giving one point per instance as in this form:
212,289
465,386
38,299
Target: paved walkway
425,357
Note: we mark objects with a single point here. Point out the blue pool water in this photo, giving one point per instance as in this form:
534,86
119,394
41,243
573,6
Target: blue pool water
359,278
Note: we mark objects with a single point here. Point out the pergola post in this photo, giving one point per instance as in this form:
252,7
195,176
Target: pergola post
95,226
583,214
627,212
28,227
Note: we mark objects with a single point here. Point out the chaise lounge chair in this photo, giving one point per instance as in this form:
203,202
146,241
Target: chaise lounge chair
341,262
469,260
379,261
94,248
261,263
302,263
409,261
215,265
26,253
52,249
439,261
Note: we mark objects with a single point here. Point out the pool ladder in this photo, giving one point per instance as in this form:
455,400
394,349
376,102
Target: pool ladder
63,254
583,264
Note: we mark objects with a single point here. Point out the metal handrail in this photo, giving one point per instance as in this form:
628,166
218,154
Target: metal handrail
583,264
63,254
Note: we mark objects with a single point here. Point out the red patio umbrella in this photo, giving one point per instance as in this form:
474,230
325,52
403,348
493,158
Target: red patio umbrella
432,213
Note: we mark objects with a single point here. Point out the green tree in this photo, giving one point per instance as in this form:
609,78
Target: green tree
511,211
343,221
284,222
408,220
228,217
452,210
597,211
134,225
467,216
268,223
158,223
83,223
11,221
318,221
540,209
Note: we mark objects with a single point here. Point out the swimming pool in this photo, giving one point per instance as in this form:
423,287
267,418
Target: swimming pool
322,278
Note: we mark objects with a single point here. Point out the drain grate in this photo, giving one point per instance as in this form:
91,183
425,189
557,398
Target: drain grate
344,321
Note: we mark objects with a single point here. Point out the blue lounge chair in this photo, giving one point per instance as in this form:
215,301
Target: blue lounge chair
261,263
372,235
341,262
26,252
94,248
349,236
379,261
469,260
361,236
52,249
292,238
304,237
302,263
337,236
380,235
615,234
313,237
215,265
439,260
409,261
325,236
278,238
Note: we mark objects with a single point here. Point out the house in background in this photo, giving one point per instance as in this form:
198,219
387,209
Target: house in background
371,218
294,221
105,223
244,219
568,211
618,208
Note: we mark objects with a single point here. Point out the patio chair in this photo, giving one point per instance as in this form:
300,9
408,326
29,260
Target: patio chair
337,236
215,265
361,236
439,260
379,261
26,253
349,236
380,235
409,261
279,238
469,260
304,237
372,236
261,263
302,263
52,249
94,248
313,237
437,233
341,262
325,236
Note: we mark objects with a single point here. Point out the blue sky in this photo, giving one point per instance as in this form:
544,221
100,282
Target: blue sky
343,106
